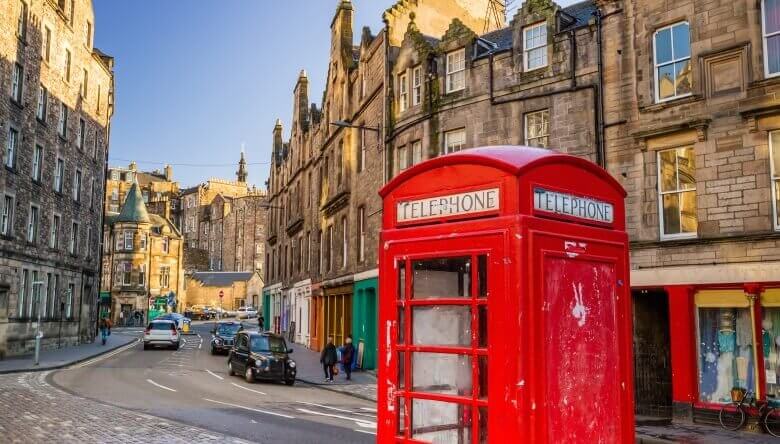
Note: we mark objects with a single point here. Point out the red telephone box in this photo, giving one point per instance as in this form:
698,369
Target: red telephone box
505,314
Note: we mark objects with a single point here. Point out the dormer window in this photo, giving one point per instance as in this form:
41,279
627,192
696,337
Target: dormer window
403,93
416,85
456,70
535,46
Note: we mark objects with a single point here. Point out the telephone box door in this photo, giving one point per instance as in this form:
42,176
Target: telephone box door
439,320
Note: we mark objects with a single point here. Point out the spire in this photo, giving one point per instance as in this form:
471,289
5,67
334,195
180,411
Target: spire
134,209
242,173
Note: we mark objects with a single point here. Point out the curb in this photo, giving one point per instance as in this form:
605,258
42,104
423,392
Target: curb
647,439
331,388
65,364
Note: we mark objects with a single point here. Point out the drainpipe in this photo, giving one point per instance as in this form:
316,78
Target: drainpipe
385,124
600,151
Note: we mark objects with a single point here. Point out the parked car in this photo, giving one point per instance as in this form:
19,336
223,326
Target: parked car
198,312
179,319
162,333
261,356
246,313
224,336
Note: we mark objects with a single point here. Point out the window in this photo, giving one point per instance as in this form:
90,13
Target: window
59,174
416,85
48,305
89,240
142,274
35,298
54,296
74,238
340,159
6,218
127,269
82,134
677,193
37,161
673,74
62,126
71,11
330,248
95,145
17,83
66,73
32,224
114,175
361,160
24,285
403,93
456,70
46,46
21,27
91,193
85,84
454,141
771,30
774,154
88,34
142,240
165,276
361,234
403,158
535,46
417,152
54,234
537,128
11,148
77,186
165,242
344,238
128,236
71,293
43,100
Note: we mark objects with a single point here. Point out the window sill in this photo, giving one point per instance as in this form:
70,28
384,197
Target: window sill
17,103
42,122
63,137
11,169
678,237
657,106
37,182
22,38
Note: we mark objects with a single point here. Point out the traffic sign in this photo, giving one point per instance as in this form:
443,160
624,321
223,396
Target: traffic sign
221,294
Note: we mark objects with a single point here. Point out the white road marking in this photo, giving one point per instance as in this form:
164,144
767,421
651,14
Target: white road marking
107,355
358,421
368,409
334,409
250,408
214,374
160,385
248,389
364,431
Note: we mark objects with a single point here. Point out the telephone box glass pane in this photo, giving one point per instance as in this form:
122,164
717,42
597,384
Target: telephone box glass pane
483,425
482,276
483,377
401,371
400,405
482,340
401,280
447,374
441,422
442,325
442,278
401,325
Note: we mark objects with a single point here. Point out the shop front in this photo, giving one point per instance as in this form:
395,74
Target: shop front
334,315
504,308
299,325
364,318
272,307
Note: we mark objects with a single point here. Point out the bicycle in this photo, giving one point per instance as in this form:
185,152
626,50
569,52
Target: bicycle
733,416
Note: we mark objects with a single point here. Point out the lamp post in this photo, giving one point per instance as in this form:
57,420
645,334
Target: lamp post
38,333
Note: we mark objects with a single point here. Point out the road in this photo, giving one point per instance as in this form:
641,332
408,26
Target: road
192,386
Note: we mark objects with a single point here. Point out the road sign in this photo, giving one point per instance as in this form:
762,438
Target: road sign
221,294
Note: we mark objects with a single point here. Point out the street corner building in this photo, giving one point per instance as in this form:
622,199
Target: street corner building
237,289
142,274
57,94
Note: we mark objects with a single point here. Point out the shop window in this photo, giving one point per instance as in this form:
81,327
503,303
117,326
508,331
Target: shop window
774,153
725,352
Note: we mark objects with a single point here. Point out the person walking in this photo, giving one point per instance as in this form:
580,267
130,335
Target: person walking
121,318
328,359
347,355
261,322
103,330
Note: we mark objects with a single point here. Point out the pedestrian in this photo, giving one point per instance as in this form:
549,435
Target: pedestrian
121,317
261,322
328,359
103,330
347,354
108,325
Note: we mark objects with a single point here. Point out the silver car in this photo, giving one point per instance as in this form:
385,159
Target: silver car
162,333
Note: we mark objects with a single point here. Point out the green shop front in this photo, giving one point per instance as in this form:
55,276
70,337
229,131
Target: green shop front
364,318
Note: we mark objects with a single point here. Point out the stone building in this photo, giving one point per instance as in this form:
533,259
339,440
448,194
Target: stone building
692,120
159,190
54,127
239,289
324,215
143,270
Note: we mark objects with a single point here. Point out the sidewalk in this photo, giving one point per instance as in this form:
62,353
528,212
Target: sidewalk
51,359
696,434
362,385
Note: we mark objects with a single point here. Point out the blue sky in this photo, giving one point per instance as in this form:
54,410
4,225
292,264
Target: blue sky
197,78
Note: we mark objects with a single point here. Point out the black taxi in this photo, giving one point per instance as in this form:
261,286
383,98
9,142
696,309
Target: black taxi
261,355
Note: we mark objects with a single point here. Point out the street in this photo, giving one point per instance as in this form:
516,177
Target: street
192,387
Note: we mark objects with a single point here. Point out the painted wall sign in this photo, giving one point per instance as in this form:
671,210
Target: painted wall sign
573,206
471,202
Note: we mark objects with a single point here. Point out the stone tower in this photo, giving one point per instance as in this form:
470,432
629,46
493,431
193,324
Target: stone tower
242,172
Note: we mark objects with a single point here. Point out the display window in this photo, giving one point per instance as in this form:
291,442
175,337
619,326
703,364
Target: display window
442,361
770,340
727,345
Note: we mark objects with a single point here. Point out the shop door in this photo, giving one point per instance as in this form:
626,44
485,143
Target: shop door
443,292
652,362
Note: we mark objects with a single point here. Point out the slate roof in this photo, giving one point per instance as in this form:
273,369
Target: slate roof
501,37
581,11
221,278
134,208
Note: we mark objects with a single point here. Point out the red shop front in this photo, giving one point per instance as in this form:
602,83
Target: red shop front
505,313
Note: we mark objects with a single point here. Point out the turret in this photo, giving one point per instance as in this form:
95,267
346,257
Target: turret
242,173
301,111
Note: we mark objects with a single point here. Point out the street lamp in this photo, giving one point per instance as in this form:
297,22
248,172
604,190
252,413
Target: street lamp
38,333
345,124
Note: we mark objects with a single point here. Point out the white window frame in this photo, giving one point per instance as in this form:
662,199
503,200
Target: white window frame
455,70
24,283
62,124
68,64
361,233
764,38
416,85
127,274
142,275
417,155
33,221
660,194
11,148
17,82
526,127
403,92
46,46
403,158
43,102
142,241
656,83
73,247
344,242
7,215
37,163
774,178
78,177
128,237
59,174
82,136
448,135
527,49
165,276
69,295
54,231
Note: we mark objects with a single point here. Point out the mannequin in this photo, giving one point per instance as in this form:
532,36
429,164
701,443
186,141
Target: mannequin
727,343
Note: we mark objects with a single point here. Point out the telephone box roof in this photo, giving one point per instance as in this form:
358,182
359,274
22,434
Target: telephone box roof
515,160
